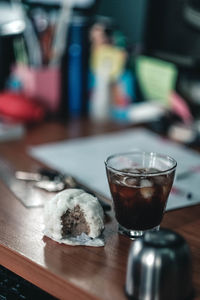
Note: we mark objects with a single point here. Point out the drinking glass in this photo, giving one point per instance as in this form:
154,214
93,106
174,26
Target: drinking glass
140,183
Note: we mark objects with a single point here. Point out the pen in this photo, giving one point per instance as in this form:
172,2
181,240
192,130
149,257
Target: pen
60,37
188,195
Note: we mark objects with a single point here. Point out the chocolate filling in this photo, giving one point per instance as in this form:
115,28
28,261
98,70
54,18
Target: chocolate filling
74,223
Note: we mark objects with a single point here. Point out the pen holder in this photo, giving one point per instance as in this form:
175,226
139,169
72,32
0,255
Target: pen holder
42,84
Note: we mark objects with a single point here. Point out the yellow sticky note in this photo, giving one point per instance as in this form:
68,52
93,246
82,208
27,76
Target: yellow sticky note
108,59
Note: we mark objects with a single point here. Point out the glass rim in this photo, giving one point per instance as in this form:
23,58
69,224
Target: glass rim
157,154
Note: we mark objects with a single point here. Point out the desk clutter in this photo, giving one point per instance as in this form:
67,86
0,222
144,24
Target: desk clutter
66,61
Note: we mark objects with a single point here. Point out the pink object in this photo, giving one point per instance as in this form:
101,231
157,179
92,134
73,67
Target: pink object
180,107
42,84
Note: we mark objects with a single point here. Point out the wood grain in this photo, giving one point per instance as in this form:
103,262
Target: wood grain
69,272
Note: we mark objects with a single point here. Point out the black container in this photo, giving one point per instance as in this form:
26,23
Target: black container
11,26
168,34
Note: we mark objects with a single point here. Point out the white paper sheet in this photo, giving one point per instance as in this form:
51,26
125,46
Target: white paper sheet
84,159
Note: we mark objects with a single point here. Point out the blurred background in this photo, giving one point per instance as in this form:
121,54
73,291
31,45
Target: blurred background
133,61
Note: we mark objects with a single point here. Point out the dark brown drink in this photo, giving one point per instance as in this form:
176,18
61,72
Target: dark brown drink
139,201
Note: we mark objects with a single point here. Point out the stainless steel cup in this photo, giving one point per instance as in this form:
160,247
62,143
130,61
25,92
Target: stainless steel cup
159,267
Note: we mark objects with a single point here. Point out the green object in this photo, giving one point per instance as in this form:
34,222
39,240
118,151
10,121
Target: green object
156,78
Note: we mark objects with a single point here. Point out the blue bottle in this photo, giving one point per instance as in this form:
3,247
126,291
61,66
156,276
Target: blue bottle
75,68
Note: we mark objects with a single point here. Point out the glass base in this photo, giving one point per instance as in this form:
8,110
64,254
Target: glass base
133,234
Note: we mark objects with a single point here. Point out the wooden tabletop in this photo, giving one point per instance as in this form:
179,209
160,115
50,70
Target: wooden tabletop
69,272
